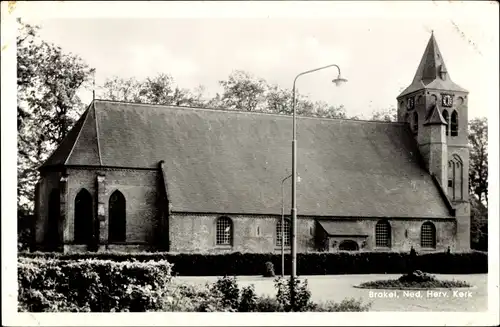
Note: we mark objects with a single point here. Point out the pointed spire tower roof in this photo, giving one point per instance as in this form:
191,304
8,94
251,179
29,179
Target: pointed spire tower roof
432,72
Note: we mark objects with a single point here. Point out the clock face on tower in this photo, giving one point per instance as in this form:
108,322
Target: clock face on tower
447,100
410,104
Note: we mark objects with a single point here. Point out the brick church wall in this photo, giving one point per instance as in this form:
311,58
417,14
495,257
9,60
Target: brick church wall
139,187
197,232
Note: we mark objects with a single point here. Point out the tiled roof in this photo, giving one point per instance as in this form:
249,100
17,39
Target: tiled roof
233,162
342,228
434,117
428,72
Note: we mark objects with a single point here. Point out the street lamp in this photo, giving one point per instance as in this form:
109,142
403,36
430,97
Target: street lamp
283,223
338,81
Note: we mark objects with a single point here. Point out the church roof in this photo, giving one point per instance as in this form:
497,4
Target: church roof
428,75
434,117
219,161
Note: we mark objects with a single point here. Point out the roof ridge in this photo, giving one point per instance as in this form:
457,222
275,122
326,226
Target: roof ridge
97,134
247,112
86,113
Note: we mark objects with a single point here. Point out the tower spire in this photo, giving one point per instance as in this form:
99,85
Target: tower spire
431,72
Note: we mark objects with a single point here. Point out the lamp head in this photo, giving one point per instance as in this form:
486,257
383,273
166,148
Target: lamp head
339,81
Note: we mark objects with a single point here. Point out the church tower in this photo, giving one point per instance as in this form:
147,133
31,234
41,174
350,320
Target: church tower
436,110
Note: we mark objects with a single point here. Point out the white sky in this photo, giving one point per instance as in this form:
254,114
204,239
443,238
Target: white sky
377,52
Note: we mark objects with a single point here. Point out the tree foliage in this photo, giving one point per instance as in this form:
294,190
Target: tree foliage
388,115
478,172
47,104
478,182
159,89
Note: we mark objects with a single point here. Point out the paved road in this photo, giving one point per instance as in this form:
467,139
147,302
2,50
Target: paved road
338,287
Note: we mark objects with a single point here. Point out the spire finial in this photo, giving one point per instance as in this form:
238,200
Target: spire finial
432,32
93,84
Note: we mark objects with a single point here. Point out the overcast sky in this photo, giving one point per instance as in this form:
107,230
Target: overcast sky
378,53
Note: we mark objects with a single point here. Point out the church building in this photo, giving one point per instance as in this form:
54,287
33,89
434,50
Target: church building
138,177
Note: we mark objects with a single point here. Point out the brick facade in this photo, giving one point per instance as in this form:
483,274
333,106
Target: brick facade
197,232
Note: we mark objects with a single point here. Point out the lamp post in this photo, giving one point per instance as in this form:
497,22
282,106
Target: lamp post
283,225
338,81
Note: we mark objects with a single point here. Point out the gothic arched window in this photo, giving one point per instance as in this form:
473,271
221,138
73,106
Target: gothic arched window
447,120
117,217
84,217
428,235
383,234
224,231
454,123
280,229
455,178
415,123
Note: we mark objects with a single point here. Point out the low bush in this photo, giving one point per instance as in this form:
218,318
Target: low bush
320,263
227,287
105,286
416,279
302,301
269,272
347,305
91,285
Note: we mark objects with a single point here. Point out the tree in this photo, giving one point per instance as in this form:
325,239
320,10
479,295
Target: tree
388,115
160,89
47,83
478,171
479,225
121,89
478,182
243,91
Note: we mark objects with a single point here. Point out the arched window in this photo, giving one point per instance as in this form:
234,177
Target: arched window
117,218
53,236
224,233
348,245
451,179
383,234
428,235
283,229
454,123
447,119
84,217
415,123
455,178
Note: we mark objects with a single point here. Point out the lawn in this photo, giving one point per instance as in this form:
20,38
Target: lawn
338,287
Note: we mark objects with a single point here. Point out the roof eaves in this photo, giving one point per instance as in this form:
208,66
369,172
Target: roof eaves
443,195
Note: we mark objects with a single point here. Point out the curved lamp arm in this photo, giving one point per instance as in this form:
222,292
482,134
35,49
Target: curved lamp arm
337,81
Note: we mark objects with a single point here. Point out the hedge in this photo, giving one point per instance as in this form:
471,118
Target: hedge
317,263
91,285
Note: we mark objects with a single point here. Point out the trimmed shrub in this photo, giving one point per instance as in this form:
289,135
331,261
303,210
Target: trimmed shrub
269,272
91,285
316,263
